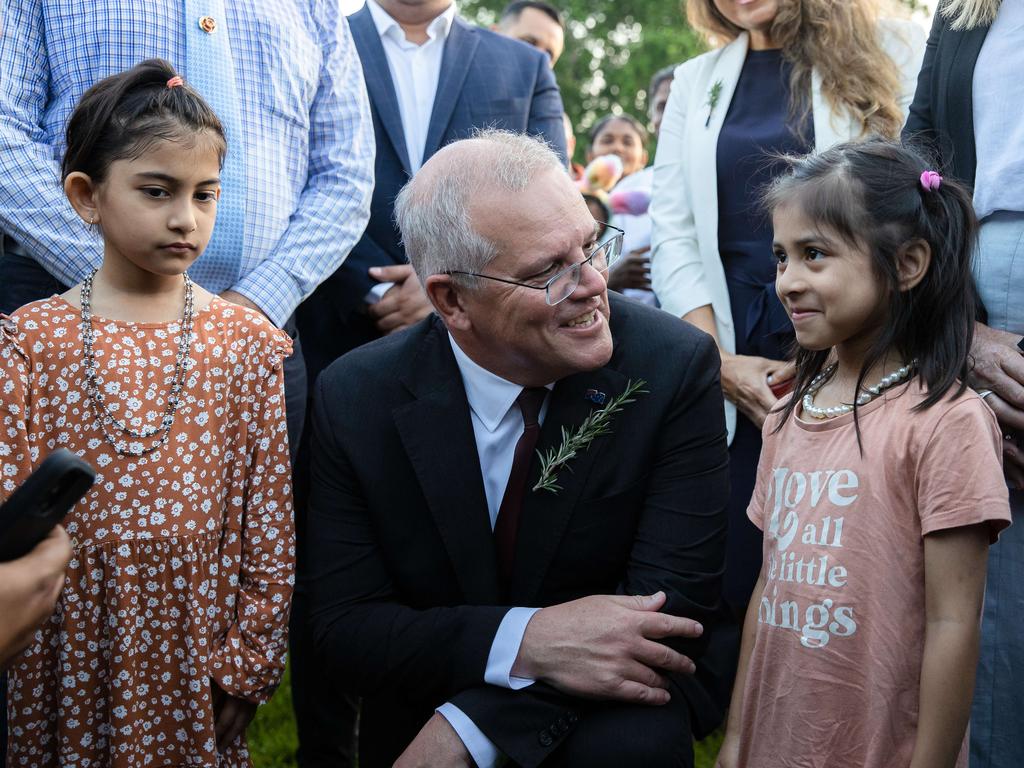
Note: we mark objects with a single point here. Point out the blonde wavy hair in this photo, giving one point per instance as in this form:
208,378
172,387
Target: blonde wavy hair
839,39
969,14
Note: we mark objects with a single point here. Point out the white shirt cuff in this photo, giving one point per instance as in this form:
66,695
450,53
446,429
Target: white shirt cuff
376,293
480,748
505,648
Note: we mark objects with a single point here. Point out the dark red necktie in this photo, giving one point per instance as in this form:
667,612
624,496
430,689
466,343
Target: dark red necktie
506,526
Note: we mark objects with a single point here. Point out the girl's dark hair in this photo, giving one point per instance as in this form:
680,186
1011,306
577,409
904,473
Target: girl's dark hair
123,115
871,193
601,124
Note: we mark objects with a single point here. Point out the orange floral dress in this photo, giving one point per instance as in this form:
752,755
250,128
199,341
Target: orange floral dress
183,558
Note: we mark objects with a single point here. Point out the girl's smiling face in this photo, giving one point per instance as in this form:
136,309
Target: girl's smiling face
157,211
620,138
827,284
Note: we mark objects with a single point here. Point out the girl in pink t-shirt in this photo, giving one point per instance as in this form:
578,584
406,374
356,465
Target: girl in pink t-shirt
880,484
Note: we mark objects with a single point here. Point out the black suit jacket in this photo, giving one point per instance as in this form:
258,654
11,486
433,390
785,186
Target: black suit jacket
486,80
401,564
942,114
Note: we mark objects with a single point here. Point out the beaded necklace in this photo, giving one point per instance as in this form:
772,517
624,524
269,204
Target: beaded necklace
110,425
870,393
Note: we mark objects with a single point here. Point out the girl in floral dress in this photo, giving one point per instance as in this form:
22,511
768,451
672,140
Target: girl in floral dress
172,624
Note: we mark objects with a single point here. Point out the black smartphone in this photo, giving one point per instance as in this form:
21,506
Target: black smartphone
42,501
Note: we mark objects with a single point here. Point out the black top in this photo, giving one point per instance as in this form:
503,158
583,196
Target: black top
942,113
757,125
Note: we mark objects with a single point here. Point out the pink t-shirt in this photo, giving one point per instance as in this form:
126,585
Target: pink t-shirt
834,673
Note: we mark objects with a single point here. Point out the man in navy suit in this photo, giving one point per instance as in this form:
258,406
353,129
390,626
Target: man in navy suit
432,79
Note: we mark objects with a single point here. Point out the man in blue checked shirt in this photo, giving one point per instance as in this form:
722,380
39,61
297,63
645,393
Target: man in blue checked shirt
283,76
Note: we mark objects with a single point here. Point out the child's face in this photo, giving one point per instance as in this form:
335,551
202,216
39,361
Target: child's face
157,211
826,284
618,137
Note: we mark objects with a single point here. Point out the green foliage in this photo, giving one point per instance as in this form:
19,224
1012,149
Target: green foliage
612,48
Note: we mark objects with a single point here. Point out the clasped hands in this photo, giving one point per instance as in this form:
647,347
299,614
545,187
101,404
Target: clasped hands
745,381
597,647
999,367
404,304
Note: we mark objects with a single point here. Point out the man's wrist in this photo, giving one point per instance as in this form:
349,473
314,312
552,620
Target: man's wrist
526,665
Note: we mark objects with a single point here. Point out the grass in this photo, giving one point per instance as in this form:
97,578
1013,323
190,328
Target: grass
272,735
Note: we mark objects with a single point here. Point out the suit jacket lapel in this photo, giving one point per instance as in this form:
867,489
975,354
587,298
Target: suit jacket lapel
545,515
379,85
455,65
438,437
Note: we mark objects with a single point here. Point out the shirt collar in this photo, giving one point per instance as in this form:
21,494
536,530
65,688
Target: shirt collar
386,25
489,395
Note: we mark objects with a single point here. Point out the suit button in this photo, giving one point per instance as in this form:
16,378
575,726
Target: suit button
561,725
545,739
573,718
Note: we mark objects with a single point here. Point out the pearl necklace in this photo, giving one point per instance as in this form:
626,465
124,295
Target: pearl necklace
863,398
110,424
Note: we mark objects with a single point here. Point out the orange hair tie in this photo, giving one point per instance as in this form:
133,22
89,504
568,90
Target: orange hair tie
175,82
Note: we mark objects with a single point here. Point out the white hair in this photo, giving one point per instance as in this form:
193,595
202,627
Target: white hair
432,209
970,14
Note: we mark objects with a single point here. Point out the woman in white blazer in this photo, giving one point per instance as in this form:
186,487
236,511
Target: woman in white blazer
791,76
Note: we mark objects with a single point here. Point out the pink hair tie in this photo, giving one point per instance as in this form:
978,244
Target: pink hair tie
931,181
175,82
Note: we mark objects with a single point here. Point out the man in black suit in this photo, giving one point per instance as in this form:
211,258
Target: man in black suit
431,547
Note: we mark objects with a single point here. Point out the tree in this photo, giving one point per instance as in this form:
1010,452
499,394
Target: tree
612,48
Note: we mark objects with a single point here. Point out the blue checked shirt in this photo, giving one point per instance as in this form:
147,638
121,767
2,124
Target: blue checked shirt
304,112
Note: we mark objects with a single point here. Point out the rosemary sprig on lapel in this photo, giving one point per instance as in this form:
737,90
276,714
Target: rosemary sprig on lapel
714,94
595,425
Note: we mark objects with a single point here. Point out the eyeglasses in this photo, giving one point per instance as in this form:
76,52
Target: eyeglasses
560,287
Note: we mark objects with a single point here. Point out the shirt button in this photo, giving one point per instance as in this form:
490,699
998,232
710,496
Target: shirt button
208,24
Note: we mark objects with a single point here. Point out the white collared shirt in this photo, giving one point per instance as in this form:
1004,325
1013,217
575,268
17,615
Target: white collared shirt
415,70
497,426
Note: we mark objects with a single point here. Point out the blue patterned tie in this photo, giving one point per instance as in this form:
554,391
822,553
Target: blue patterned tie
209,69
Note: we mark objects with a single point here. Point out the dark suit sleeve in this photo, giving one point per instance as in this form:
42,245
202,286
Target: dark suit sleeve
679,547
920,125
352,282
546,110
680,540
365,638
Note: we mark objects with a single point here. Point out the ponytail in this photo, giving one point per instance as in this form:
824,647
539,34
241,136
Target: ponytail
123,115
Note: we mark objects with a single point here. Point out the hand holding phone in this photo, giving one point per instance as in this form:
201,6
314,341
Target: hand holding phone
42,501
29,587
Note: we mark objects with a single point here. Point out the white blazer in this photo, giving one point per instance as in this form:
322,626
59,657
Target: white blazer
686,268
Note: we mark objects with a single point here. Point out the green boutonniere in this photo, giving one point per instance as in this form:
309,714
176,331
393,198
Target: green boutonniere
595,425
713,96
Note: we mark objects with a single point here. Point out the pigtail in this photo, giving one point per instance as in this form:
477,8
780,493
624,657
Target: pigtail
940,326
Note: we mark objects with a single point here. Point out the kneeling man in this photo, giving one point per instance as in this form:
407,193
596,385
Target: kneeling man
517,520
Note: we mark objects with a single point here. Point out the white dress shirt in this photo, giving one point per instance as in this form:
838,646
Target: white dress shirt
415,70
497,426
998,131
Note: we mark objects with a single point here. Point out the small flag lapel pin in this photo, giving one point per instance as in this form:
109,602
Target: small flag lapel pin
595,396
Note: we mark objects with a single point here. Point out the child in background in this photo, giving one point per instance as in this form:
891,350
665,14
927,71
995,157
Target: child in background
172,624
624,136
880,485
